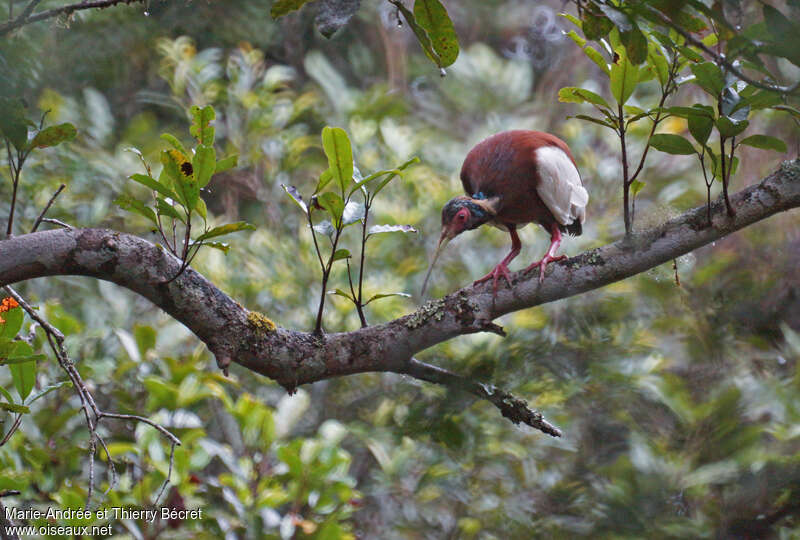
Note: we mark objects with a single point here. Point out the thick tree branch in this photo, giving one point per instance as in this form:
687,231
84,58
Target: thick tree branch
27,16
290,357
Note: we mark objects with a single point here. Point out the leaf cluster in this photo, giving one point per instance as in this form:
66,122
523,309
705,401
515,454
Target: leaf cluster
176,196
346,204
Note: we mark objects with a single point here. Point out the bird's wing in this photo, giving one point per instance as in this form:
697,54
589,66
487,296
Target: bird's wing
560,186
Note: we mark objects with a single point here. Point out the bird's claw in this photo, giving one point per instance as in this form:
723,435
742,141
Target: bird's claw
543,265
499,270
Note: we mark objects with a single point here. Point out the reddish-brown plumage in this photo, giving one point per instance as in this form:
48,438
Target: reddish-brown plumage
511,179
505,165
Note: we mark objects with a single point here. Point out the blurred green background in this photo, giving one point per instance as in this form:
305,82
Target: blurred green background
679,403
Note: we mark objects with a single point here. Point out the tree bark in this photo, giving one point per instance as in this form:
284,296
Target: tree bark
234,334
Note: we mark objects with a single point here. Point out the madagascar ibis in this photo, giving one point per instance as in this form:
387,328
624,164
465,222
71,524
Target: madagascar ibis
511,179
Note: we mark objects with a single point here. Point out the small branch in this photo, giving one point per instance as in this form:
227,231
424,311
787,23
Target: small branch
513,408
720,59
626,184
29,9
57,222
47,207
292,357
169,472
27,17
56,340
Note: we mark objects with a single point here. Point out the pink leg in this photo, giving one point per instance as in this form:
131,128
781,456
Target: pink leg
555,242
502,268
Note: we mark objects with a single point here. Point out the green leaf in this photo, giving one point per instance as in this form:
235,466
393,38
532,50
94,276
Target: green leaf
201,128
296,197
692,54
154,184
618,17
386,295
729,127
340,254
14,408
337,148
24,377
791,110
709,77
598,58
432,16
579,41
222,246
419,32
175,143
19,352
636,187
325,179
390,175
13,123
340,292
204,164
378,229
761,100
765,142
166,209
201,208
130,204
50,388
659,62
334,204
594,120
226,229
6,394
635,45
571,94
596,27
226,163
624,77
54,135
671,144
13,323
785,34
701,123
183,181
282,7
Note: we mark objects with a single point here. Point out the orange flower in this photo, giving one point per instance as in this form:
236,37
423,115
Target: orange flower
8,303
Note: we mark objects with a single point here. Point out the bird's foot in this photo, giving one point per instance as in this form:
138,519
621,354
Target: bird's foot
543,264
499,270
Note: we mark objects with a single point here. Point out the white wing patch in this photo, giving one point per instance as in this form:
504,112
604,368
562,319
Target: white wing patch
560,186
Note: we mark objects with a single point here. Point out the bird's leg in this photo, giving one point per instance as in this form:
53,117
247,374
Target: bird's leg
555,242
502,268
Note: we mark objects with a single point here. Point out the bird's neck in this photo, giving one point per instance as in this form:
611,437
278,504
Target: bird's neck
489,205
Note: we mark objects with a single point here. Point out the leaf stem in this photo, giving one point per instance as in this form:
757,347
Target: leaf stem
626,184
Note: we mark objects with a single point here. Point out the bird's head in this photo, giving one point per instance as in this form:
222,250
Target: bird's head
462,214
458,215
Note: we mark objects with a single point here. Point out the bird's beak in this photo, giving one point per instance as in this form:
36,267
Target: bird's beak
444,239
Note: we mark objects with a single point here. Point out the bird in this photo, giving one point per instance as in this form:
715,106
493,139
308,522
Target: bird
511,179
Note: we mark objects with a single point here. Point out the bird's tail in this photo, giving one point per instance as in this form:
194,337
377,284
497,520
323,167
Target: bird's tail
575,228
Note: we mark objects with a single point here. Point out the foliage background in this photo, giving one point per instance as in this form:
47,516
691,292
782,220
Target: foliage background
678,402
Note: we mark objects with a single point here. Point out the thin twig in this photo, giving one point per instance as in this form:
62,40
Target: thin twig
47,207
13,428
24,19
57,222
513,408
720,59
169,473
56,341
